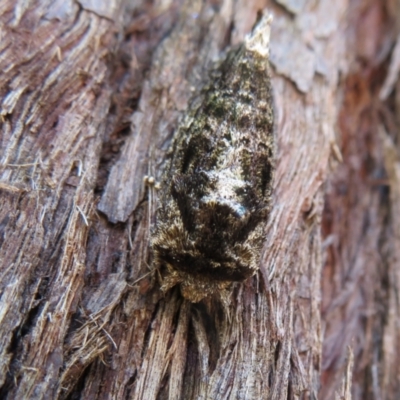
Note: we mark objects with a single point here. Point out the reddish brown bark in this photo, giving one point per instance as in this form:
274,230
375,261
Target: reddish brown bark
90,95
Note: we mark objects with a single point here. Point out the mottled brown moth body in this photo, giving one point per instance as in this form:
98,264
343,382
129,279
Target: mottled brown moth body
216,189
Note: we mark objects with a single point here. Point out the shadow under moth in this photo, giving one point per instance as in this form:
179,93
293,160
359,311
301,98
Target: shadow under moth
215,192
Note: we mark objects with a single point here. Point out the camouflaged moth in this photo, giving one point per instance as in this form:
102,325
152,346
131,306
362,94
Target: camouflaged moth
216,189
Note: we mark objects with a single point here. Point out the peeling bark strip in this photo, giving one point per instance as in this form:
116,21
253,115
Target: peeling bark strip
54,101
216,191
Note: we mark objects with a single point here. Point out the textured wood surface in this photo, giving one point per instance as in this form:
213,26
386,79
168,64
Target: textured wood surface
90,94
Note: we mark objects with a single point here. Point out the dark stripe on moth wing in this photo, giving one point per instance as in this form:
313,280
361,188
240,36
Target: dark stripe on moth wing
201,266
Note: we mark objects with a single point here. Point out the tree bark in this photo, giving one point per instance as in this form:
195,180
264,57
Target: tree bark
90,95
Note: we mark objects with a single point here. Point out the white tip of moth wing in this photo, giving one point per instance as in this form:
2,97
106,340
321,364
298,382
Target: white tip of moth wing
258,39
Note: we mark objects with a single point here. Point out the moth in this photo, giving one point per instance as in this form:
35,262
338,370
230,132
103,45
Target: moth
216,188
